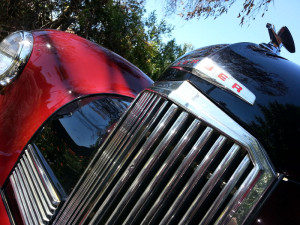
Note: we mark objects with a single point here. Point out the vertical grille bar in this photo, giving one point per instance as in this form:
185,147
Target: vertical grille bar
20,199
168,218
150,113
132,146
156,156
105,206
211,183
37,185
35,194
39,182
165,168
82,196
226,190
52,195
26,197
238,197
31,201
158,206
148,173
26,201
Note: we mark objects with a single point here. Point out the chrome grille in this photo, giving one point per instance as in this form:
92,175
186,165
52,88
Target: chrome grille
168,162
35,195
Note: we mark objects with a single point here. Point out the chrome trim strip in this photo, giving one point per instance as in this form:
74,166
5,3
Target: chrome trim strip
127,174
207,69
49,187
34,195
187,96
39,183
156,156
19,199
210,71
226,190
165,168
81,200
180,172
194,179
211,183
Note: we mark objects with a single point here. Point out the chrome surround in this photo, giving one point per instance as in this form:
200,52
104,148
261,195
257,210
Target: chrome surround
23,54
171,123
187,96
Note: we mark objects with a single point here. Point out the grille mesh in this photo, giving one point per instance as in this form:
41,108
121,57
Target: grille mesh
161,166
36,197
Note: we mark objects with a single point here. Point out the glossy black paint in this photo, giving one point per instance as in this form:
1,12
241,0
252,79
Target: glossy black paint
282,207
68,141
274,119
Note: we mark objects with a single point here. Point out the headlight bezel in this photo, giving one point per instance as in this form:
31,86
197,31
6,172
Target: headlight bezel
15,62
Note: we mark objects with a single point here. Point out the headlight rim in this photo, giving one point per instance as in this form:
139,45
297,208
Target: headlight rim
20,59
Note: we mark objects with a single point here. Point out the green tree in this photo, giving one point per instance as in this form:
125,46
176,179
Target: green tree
115,24
214,8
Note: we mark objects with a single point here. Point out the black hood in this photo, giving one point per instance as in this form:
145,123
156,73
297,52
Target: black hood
274,116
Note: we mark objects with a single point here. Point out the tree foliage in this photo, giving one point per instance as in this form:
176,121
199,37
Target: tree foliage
214,8
118,25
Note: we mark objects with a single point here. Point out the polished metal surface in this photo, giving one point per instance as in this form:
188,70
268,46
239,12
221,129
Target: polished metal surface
46,181
226,190
174,158
166,168
154,158
211,183
19,59
109,159
179,203
209,70
35,195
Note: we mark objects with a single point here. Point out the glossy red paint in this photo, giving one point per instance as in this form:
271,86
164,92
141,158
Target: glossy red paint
62,67
3,215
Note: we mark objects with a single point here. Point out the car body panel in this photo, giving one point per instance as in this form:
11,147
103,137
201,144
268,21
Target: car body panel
274,118
283,205
61,68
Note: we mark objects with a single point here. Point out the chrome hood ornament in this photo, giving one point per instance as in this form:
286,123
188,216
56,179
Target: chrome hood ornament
282,38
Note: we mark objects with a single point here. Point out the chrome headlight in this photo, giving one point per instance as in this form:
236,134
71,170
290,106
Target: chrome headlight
15,50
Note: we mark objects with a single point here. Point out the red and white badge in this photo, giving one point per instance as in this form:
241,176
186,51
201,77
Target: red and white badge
212,73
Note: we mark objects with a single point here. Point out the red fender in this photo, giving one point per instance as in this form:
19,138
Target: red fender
61,68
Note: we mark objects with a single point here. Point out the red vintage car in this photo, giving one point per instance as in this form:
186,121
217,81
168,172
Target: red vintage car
213,141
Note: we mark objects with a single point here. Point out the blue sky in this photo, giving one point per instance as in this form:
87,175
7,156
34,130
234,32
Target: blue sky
226,28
